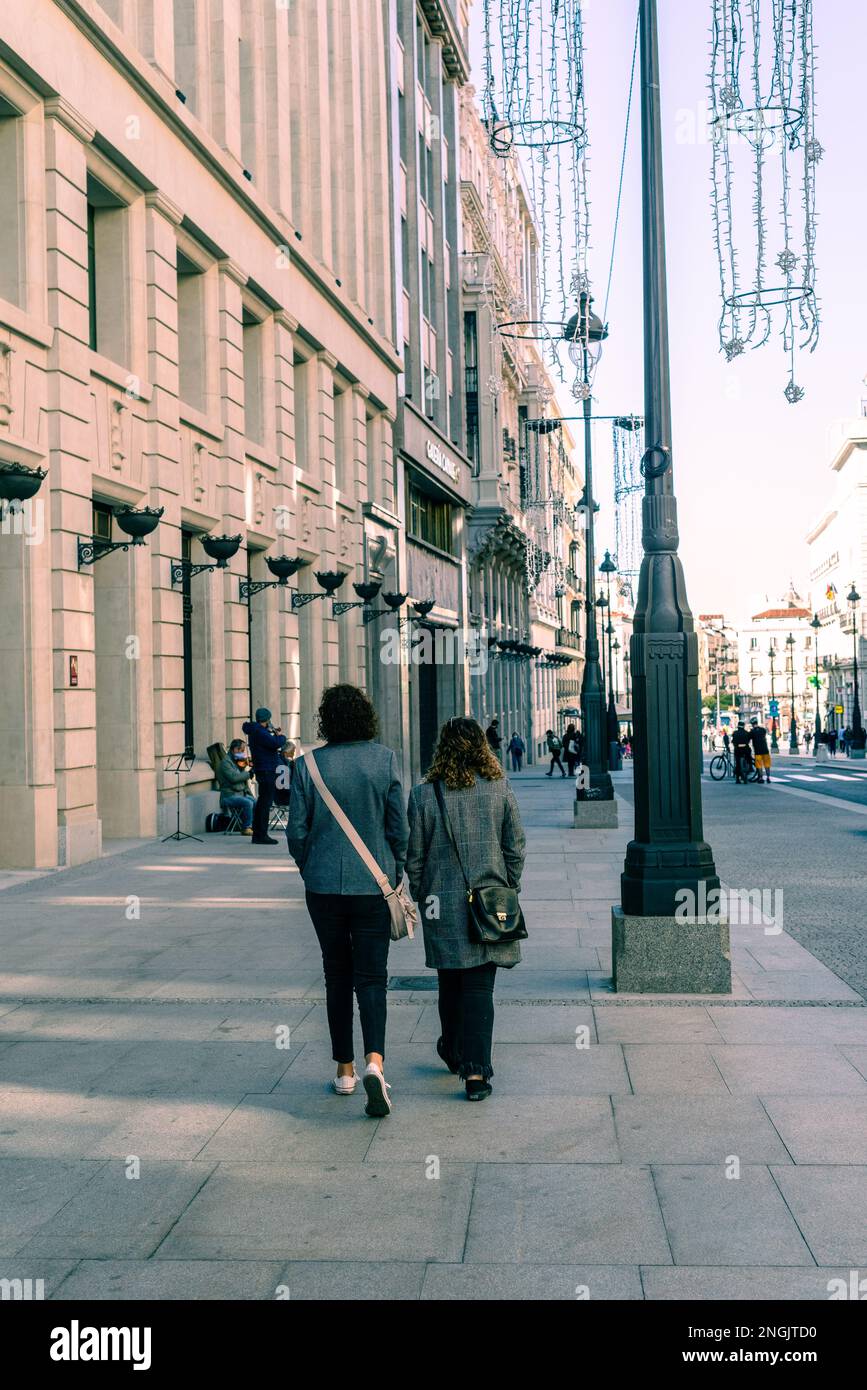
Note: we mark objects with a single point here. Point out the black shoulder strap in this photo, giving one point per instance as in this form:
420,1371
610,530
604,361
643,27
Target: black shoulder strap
441,801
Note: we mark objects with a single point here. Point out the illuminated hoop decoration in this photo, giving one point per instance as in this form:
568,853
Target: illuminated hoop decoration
533,107
628,446
762,90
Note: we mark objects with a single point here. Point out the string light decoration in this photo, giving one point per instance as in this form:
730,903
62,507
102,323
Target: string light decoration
762,91
533,105
628,446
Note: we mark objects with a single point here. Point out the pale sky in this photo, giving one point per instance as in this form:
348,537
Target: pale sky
751,471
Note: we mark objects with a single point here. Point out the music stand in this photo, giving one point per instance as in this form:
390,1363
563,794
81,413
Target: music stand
177,763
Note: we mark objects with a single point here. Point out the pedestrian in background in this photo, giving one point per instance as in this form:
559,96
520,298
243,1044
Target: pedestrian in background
555,747
486,847
349,912
570,748
761,751
517,748
265,744
492,734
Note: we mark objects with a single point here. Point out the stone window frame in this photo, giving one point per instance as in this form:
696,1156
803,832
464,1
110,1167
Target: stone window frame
30,252
131,302
253,308
206,414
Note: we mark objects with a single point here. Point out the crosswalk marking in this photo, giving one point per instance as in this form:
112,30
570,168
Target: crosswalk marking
805,776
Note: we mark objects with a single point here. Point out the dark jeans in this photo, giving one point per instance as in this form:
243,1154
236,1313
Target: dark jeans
266,783
354,931
517,759
555,759
466,1003
571,760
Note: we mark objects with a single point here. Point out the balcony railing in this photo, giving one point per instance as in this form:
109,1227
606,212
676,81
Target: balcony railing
567,638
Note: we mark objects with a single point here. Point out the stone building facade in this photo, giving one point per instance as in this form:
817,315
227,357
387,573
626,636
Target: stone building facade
523,532
197,313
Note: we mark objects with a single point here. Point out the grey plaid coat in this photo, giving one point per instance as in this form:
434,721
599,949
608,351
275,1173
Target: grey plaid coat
487,827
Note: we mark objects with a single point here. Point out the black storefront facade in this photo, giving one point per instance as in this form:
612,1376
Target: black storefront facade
436,479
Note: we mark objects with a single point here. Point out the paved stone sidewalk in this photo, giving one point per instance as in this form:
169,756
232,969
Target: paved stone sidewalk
188,1045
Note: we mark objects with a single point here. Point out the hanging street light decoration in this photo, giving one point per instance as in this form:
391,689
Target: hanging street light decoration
221,549
395,603
135,524
281,567
628,444
762,90
329,582
366,594
533,107
18,483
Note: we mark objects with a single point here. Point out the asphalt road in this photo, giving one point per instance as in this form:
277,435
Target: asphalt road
805,834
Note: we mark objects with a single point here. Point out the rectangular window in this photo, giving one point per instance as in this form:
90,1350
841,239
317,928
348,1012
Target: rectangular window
187,632
430,519
302,427
252,342
191,333
341,462
107,273
11,205
102,522
186,35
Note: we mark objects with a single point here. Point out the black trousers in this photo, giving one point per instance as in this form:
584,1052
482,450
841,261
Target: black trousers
354,931
466,1004
555,759
266,784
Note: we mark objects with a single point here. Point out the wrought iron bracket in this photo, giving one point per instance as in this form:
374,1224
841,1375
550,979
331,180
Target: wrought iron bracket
299,600
255,586
91,551
182,567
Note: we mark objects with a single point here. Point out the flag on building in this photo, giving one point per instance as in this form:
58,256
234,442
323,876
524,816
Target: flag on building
831,593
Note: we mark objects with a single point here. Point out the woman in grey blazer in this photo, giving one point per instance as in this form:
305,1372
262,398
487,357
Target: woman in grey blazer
349,913
487,828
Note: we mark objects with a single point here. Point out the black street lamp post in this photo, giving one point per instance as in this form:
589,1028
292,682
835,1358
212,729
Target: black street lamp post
775,747
816,625
612,729
587,330
859,738
668,853
790,668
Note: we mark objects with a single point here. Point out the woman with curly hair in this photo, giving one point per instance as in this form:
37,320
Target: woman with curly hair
487,829
349,912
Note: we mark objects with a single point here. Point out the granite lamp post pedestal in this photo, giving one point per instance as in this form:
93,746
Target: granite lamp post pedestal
595,814
661,955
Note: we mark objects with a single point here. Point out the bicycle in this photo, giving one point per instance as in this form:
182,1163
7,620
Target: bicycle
722,766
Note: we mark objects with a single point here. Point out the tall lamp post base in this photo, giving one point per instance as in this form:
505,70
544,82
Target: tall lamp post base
662,955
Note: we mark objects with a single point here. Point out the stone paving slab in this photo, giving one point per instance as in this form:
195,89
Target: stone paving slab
647,1025
790,1025
310,1128
712,1219
756,1285
830,1129
696,1129
673,1068
117,1216
795,1070
567,1214
516,1022
299,1211
539,1282
46,1276
830,1206
163,1280
33,1190
539,1129
36,1122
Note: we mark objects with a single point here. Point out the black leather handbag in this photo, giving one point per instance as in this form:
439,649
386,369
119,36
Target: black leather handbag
494,911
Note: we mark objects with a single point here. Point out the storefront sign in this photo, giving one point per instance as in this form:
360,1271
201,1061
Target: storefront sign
440,459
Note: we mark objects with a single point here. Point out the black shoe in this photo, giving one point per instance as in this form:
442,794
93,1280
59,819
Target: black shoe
549,774
450,1062
478,1090
266,841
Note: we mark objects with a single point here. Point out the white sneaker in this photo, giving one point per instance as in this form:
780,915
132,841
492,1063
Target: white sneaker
377,1088
345,1085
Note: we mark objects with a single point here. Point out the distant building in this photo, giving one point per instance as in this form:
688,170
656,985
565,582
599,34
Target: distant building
767,633
717,657
838,558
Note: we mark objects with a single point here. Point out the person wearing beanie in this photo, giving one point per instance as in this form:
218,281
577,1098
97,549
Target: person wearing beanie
265,744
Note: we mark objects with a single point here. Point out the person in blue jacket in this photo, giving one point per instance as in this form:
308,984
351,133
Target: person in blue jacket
265,743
